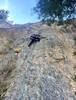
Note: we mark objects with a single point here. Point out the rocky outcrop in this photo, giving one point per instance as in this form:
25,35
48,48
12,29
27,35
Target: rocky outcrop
43,71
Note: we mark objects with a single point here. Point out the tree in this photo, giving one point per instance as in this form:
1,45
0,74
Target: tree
51,10
3,15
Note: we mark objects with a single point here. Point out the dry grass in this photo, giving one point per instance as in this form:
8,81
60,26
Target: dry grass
9,44
6,47
4,52
3,88
5,76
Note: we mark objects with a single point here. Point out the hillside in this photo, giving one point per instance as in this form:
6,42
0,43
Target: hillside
44,71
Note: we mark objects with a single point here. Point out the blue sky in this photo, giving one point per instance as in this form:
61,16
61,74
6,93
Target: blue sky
20,10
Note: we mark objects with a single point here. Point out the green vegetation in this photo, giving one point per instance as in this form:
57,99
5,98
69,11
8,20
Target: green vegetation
52,10
74,78
75,40
75,93
74,53
3,15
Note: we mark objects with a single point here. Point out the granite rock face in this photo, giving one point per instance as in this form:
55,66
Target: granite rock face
43,71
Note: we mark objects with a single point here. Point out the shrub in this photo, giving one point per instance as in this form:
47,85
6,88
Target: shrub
74,78
75,40
3,15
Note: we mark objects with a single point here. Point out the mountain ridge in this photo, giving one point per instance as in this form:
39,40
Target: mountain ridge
44,71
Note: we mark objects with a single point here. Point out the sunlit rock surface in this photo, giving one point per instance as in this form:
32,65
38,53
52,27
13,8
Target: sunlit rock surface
43,71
